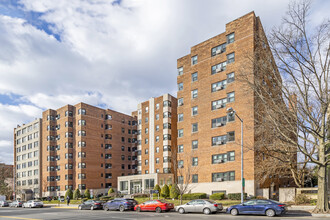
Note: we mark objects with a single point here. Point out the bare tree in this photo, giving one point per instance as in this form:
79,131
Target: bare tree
292,93
5,188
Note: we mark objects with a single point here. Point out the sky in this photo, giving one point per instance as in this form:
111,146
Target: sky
109,53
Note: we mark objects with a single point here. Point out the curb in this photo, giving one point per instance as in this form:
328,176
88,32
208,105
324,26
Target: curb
59,207
321,215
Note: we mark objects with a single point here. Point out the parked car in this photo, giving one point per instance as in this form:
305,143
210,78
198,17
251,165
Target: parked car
33,204
120,204
16,204
205,206
91,204
258,207
154,205
4,204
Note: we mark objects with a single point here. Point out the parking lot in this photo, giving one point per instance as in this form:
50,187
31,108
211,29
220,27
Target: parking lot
70,213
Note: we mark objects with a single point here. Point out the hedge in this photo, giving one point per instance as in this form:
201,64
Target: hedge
236,196
194,196
217,196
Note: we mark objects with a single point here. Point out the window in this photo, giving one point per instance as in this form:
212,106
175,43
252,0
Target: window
230,77
180,86
157,149
157,170
194,60
231,97
219,140
157,106
157,138
167,126
166,114
166,159
122,157
82,186
80,144
81,154
167,103
180,117
194,178
157,160
180,148
230,38
194,77
222,158
231,136
146,141
69,113
166,148
194,144
82,122
194,161
221,103
157,116
108,156
219,67
230,117
194,127
180,179
108,136
180,71
219,122
180,101
218,49
157,127
68,124
227,176
230,58
194,93
81,133
146,130
146,151
166,137
81,165
146,120
146,162
180,133
180,164
218,86
108,117
194,110
68,134
122,148
81,111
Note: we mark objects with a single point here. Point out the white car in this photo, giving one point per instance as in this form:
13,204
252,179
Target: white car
33,204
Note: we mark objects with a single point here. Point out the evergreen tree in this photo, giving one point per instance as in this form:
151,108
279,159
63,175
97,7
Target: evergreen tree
69,193
110,191
87,194
165,191
174,193
76,194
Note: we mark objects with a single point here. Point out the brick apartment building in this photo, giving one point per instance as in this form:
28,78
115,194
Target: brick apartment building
27,160
86,147
208,137
157,135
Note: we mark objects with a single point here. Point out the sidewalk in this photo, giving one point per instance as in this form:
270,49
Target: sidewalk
62,206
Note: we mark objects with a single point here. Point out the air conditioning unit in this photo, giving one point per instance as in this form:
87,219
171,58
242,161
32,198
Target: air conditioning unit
219,124
219,106
218,52
217,69
220,142
219,179
180,166
219,88
180,103
222,69
223,49
109,177
57,169
218,161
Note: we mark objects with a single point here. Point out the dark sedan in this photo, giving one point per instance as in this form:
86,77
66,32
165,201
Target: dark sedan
120,204
258,207
91,204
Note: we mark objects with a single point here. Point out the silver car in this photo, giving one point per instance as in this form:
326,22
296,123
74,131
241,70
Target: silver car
33,204
200,205
4,204
16,204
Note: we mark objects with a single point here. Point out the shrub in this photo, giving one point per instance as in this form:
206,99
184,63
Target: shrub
87,194
194,196
165,191
76,194
106,198
69,193
217,196
174,192
301,199
110,191
236,196
157,187
140,195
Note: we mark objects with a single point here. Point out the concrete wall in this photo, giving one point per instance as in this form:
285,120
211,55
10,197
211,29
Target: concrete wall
287,194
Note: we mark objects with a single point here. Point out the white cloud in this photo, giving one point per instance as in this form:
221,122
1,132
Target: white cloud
114,55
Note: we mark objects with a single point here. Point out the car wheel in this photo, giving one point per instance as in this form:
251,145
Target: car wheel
158,210
270,213
30,206
234,212
79,207
138,209
106,208
92,207
206,211
121,208
181,210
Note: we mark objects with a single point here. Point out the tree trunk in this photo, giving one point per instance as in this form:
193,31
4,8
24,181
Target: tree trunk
322,196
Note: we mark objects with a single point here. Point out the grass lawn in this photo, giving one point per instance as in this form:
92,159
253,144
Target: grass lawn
57,202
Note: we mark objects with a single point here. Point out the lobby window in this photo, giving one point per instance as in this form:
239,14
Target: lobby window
180,101
180,71
180,117
230,38
194,93
194,178
194,110
180,86
194,77
194,161
231,97
218,49
194,127
180,133
180,148
218,86
219,67
194,60
81,111
194,144
230,77
230,58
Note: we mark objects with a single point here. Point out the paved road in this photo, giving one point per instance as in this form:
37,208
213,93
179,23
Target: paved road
59,213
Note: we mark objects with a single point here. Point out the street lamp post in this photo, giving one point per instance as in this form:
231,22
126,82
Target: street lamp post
231,111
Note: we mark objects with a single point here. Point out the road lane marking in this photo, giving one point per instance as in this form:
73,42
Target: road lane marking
13,217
